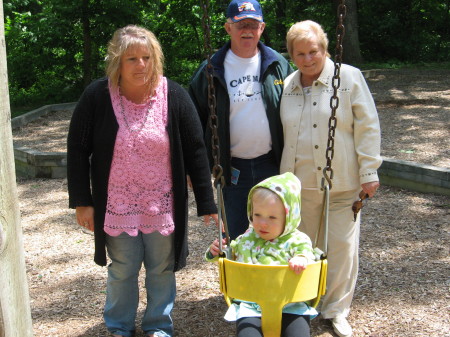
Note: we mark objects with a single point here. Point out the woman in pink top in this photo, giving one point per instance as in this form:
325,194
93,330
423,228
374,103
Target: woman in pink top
133,138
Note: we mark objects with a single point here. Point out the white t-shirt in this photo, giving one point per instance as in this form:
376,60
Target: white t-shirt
249,127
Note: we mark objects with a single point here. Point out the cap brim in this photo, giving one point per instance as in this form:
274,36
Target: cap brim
238,18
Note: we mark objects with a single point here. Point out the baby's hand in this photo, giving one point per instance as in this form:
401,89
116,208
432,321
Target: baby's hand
215,249
298,263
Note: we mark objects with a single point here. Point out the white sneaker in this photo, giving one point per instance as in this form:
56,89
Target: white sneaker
341,326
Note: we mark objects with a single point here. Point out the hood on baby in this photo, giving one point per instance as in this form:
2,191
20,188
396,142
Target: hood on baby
288,188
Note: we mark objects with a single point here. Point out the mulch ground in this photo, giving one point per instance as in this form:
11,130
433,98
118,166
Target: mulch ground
403,286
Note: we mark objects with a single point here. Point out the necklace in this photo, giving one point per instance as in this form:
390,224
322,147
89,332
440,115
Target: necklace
144,120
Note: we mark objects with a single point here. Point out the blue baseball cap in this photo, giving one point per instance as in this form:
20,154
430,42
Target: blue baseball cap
244,9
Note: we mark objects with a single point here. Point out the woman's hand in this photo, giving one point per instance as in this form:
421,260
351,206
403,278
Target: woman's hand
207,219
370,188
298,264
215,249
85,216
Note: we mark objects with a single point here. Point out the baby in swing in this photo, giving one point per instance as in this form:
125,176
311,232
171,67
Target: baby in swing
272,238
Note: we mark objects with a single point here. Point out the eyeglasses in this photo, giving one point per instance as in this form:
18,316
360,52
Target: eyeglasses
358,204
252,25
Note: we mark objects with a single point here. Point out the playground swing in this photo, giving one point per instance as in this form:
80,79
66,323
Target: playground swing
253,282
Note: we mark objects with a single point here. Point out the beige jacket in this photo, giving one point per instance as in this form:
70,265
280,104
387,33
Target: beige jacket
357,137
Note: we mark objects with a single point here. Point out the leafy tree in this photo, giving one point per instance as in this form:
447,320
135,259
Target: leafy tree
280,15
62,43
56,47
178,25
350,44
404,30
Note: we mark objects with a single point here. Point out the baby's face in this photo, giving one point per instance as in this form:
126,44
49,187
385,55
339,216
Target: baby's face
269,217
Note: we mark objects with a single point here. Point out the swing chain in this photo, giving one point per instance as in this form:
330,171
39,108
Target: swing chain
217,170
334,101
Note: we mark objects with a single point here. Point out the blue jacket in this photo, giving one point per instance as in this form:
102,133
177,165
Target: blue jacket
274,69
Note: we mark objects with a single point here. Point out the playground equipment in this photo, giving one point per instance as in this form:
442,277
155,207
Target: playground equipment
272,287
15,314
251,282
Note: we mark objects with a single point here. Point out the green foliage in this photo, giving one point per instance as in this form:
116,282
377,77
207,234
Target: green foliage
178,26
405,65
56,47
404,30
279,15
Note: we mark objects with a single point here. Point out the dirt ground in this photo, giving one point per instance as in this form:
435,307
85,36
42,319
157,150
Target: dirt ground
403,285
414,111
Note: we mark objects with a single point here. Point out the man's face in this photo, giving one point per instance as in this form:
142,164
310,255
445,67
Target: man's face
245,36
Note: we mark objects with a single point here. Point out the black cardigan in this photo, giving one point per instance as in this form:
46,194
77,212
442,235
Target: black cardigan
90,148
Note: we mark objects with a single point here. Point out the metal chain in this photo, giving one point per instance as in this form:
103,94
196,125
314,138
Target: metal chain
217,170
334,101
212,119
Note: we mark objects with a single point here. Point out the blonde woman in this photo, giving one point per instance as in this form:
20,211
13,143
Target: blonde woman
133,138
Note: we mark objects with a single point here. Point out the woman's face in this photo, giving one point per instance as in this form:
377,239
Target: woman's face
135,66
309,57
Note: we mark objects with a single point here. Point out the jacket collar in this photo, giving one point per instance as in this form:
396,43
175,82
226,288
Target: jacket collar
267,58
327,73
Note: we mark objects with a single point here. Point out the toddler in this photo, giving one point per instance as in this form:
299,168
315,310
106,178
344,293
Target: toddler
272,238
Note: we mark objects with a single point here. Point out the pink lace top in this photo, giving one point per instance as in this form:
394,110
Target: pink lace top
140,194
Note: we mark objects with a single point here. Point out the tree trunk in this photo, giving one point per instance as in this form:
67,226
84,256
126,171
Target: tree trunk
352,51
15,314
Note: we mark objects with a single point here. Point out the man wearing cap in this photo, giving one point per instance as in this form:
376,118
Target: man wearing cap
248,80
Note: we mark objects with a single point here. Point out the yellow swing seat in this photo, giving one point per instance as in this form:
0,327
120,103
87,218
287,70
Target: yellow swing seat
272,287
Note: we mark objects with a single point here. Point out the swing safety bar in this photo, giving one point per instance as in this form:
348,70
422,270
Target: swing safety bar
323,224
223,225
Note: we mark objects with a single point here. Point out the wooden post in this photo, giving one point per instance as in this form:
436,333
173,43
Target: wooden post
15,313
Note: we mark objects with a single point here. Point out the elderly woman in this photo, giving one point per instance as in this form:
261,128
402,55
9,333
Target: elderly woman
305,112
133,138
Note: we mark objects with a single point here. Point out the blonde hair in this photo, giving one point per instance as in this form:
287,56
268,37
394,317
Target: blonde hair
262,194
306,30
128,37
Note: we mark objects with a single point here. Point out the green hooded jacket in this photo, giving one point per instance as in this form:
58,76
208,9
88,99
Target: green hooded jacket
251,248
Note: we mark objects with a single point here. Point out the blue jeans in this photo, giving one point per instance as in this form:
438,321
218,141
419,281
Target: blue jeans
252,171
127,254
